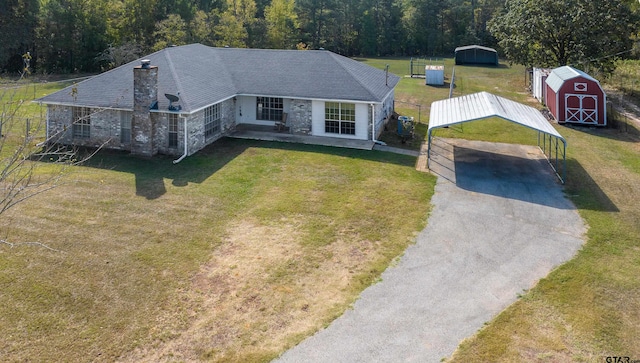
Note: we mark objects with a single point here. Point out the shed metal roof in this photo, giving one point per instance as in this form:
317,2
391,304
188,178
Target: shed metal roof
561,74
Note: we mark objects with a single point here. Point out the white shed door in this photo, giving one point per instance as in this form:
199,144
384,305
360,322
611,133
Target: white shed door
581,108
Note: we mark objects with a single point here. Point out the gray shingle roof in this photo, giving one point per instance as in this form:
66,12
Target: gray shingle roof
204,75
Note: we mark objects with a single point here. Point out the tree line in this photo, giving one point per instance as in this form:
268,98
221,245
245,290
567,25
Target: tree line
64,36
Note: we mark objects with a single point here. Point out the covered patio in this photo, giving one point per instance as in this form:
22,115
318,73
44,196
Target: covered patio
270,133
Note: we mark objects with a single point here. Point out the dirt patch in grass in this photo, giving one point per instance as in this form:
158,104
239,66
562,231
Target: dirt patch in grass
261,287
246,250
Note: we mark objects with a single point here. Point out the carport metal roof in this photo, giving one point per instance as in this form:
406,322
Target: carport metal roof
483,105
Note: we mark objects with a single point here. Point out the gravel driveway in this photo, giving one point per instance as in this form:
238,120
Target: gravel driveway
499,223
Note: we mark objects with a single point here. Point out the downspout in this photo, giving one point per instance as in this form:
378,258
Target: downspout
184,155
373,122
428,148
373,125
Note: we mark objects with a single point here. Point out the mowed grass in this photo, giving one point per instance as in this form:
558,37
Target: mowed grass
414,98
589,308
246,248
234,254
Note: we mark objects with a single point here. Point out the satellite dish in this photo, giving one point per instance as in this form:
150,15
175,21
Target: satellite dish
172,99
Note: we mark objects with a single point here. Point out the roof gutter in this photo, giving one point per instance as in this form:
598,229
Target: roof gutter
186,151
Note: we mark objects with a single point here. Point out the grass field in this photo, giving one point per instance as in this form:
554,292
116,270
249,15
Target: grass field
244,249
234,254
589,308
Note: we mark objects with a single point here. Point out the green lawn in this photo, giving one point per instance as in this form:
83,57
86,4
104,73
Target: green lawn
235,254
414,98
589,308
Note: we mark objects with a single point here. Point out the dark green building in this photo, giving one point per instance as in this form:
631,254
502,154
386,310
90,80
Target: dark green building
476,54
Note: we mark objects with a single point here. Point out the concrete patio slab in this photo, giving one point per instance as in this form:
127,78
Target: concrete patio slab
268,133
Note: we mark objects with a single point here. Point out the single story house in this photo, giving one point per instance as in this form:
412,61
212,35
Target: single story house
180,99
575,97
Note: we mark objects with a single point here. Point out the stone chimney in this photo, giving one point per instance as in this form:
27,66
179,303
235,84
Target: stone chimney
145,97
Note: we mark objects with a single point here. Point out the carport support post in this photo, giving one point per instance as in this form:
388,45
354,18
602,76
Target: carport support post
564,157
428,148
539,133
556,145
550,143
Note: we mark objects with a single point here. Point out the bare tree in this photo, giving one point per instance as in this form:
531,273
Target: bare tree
24,147
115,56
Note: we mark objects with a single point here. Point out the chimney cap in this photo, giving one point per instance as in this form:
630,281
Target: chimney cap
145,63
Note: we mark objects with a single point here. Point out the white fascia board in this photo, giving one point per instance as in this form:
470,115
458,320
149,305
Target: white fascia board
77,105
211,104
310,99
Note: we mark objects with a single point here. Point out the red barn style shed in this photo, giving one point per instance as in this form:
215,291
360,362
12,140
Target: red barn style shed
575,97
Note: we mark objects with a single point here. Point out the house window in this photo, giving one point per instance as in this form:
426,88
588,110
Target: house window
212,121
125,127
173,130
269,108
81,122
340,118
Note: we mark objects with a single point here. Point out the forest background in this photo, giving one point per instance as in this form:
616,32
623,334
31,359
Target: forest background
71,36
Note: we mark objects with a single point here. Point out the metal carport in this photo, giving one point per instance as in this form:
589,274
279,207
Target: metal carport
483,105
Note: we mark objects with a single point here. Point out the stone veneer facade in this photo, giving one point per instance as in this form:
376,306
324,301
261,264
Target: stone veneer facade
195,124
106,130
299,119
149,127
145,95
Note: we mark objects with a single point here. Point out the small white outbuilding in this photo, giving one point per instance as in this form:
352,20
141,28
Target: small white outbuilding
434,75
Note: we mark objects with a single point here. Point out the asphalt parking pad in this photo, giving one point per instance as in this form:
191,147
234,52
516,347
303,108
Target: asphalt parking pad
499,223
